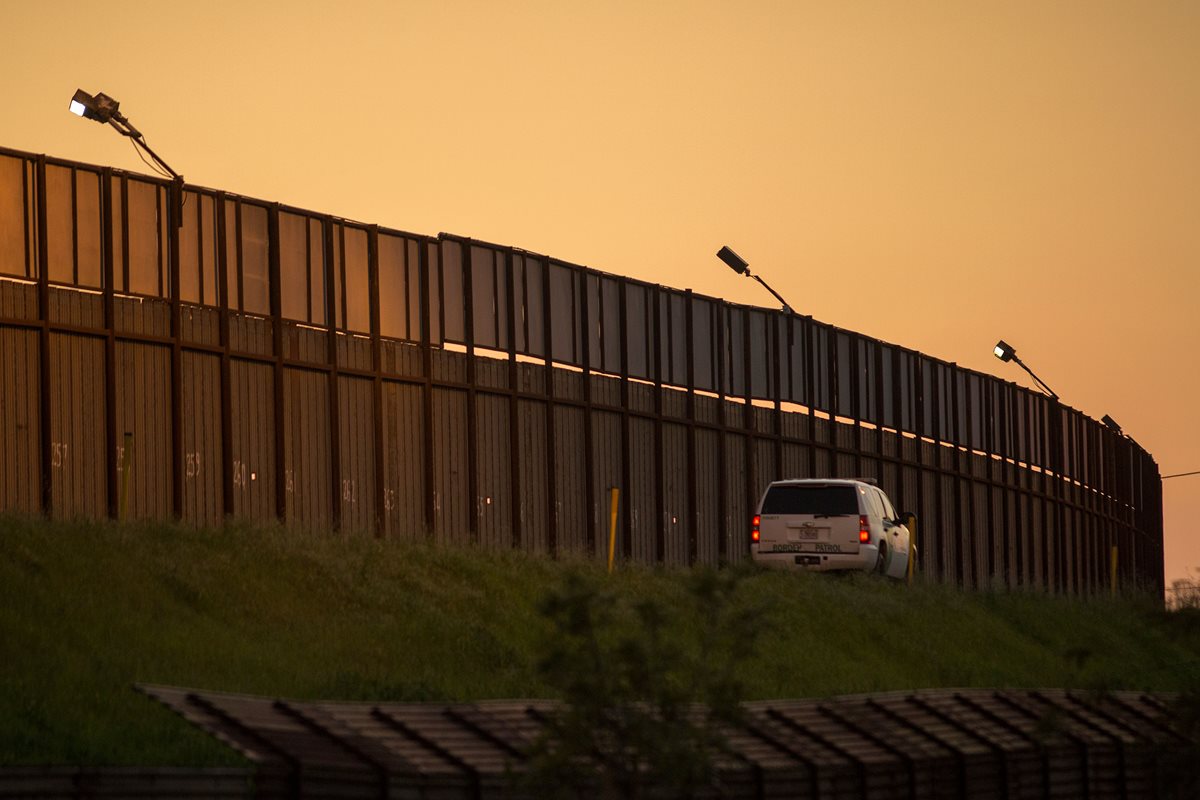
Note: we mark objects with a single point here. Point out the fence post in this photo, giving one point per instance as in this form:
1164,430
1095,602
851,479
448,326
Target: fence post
1112,571
612,525
126,467
910,522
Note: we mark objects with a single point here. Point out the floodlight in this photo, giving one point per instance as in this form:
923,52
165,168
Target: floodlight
1110,422
1006,352
742,267
100,108
735,262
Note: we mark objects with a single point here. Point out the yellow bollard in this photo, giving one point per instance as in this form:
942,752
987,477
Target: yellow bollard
1112,569
126,468
612,526
911,524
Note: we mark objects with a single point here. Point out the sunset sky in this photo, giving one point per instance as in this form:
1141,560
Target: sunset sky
938,175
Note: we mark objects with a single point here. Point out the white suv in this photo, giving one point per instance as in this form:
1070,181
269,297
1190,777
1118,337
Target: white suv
829,525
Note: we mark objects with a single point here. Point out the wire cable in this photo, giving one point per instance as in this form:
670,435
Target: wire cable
157,169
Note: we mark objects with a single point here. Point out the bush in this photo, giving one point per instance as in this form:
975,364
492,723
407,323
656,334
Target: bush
646,686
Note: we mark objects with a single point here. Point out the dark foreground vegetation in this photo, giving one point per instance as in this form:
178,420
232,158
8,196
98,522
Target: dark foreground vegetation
87,609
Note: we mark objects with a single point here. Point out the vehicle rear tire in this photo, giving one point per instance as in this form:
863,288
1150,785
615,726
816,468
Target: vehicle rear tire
881,560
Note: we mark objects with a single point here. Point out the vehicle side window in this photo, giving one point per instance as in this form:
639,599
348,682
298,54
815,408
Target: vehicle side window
887,506
875,505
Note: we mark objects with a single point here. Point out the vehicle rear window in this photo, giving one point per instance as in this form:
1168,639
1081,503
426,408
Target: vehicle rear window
834,500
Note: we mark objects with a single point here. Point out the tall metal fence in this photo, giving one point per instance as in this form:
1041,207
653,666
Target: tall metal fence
268,362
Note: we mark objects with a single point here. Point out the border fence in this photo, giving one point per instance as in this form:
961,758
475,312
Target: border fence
266,362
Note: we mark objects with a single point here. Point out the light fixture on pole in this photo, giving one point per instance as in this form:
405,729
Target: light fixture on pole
104,109
1005,352
742,267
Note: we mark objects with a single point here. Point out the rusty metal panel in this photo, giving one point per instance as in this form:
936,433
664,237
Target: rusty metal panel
674,487
978,531
710,528
79,486
532,452
251,335
929,526
908,496
144,409
796,461
450,466
76,308
570,452
822,462
736,529
844,466
494,429
606,474
949,522
869,468
642,491
202,489
20,421
353,352
491,373
404,460
144,316
765,467
18,300
307,448
489,298
15,223
301,343
357,447
1022,523
200,325
402,359
449,366
252,457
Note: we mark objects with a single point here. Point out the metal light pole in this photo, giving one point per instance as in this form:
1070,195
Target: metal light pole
104,109
1005,352
742,267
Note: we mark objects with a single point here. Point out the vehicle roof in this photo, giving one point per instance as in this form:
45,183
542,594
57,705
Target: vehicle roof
825,482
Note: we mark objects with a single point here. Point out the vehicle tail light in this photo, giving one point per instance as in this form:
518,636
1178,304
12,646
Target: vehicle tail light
864,529
754,528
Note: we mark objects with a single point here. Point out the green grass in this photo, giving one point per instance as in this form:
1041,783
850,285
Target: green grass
87,609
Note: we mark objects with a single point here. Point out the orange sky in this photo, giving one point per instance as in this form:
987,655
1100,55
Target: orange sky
939,175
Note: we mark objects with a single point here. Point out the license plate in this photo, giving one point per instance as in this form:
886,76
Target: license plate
808,547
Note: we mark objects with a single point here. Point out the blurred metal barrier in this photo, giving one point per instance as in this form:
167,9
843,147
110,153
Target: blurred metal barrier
931,743
216,783
275,363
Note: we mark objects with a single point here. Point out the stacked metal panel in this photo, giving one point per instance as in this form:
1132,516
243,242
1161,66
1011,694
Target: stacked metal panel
934,743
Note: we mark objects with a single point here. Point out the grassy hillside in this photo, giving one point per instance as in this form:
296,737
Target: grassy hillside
87,609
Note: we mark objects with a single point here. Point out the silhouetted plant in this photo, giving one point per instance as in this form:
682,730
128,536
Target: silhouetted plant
646,687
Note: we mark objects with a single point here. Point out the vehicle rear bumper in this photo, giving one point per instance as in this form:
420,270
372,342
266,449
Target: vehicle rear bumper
864,559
